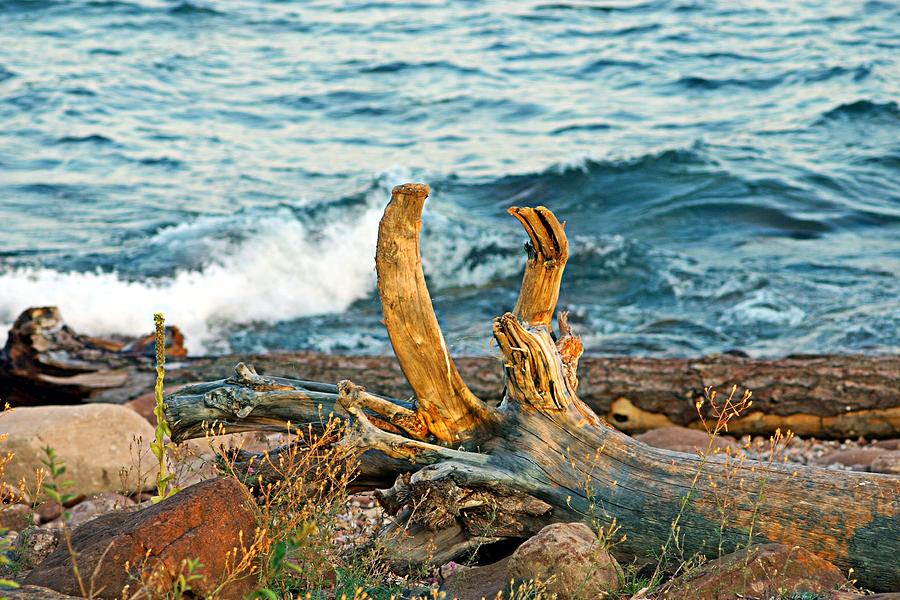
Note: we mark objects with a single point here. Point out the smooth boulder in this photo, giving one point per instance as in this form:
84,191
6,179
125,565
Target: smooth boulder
102,446
569,560
205,522
565,560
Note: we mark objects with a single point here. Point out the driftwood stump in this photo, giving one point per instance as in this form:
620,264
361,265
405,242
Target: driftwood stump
471,473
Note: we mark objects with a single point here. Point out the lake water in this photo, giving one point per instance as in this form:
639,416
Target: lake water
729,171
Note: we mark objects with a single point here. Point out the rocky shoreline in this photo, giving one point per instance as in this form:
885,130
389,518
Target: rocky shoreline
105,448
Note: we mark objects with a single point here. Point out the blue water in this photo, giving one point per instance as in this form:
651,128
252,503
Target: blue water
728,170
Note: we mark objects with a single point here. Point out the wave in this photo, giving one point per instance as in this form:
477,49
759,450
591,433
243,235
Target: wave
94,138
281,267
863,108
191,9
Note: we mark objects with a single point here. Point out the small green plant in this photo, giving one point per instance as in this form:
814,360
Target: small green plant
186,576
802,596
5,584
159,446
54,488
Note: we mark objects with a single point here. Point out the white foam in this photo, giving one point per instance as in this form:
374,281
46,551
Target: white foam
764,307
280,271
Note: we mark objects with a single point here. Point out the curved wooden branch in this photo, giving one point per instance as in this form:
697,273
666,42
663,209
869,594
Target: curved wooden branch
249,402
548,252
363,435
451,411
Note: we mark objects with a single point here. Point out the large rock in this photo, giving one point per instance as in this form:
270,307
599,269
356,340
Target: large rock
682,439
203,522
768,570
100,444
568,559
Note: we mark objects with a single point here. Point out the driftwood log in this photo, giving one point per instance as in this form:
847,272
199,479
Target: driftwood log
471,473
45,361
834,397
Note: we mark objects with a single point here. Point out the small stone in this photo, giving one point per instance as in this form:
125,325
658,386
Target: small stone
47,511
682,439
475,583
568,560
34,544
857,459
99,505
14,517
893,444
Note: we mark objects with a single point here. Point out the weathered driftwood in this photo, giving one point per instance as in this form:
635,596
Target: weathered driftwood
483,474
46,362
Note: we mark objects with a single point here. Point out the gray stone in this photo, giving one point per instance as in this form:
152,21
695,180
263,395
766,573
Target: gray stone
34,544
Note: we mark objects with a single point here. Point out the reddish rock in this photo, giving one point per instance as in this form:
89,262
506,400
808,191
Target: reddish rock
769,570
14,517
889,463
203,522
682,439
568,560
146,344
858,459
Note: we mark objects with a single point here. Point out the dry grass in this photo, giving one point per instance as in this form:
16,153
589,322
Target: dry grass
300,494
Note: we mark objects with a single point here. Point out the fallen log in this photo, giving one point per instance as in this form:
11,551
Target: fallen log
484,473
832,397
839,397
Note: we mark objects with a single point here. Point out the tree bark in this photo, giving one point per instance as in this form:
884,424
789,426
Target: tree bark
474,474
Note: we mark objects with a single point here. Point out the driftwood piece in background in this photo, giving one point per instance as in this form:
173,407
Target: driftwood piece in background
485,474
837,396
46,362
822,396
